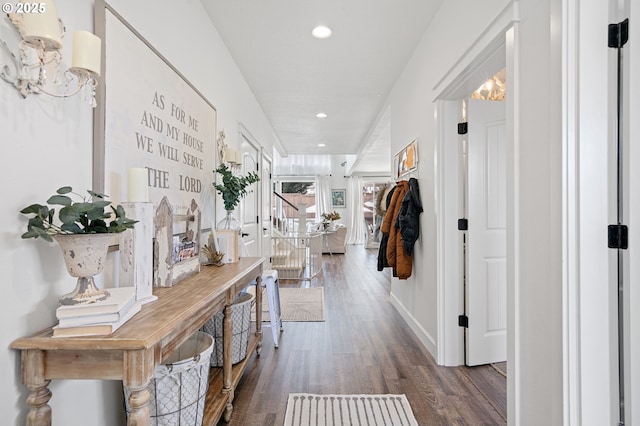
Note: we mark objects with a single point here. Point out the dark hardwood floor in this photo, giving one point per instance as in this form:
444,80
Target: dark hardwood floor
364,346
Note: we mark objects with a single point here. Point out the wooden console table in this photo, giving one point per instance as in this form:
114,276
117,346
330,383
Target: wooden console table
133,351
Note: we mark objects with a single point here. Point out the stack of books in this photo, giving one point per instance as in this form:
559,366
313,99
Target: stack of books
97,319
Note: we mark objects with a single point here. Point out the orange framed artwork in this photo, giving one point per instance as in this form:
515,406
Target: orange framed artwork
406,161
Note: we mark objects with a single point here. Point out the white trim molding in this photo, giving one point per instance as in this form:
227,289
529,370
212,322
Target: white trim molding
425,338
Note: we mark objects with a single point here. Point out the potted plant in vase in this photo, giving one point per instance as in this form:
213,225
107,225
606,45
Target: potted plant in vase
82,233
232,189
329,218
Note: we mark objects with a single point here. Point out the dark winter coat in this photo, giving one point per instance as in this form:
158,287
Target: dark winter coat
408,219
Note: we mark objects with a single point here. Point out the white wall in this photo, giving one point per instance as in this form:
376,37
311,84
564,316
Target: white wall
48,143
412,116
535,389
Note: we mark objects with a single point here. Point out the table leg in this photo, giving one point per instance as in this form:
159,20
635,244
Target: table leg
139,414
259,313
39,394
228,409
138,371
40,411
326,243
227,356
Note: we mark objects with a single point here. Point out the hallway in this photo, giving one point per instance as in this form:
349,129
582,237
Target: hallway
363,347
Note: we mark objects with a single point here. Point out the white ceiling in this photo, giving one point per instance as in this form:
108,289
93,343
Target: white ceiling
348,76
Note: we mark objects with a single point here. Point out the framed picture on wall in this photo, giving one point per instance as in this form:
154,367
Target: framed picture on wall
406,161
338,198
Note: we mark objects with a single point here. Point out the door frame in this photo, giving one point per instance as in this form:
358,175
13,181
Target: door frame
590,271
466,75
266,198
244,133
633,133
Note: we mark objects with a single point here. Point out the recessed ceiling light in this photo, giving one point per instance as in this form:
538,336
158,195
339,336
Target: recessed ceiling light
321,115
321,32
321,144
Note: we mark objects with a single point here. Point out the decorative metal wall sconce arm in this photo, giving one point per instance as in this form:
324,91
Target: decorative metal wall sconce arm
41,33
222,147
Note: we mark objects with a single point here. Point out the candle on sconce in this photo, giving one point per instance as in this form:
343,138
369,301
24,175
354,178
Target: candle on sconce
42,27
138,185
238,157
229,156
86,51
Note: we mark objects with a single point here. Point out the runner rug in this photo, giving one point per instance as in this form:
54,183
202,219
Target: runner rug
296,304
305,409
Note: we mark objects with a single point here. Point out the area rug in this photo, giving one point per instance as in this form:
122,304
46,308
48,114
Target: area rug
305,409
296,304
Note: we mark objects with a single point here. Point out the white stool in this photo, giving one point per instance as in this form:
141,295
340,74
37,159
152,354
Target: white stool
270,282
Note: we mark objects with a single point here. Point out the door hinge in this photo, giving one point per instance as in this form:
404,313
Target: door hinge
619,34
463,224
463,321
618,236
257,219
463,128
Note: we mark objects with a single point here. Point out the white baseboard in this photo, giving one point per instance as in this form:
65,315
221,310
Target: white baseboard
425,338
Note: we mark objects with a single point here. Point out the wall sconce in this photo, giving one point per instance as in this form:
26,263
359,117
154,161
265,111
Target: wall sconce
233,158
41,33
230,156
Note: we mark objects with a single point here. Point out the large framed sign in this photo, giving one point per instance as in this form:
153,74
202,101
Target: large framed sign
149,116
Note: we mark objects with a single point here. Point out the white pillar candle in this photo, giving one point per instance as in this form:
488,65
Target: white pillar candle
229,156
138,185
42,27
86,51
238,157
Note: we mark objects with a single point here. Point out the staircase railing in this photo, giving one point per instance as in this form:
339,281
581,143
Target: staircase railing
285,218
297,256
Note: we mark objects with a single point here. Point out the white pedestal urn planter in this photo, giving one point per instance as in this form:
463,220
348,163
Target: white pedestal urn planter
84,256
84,230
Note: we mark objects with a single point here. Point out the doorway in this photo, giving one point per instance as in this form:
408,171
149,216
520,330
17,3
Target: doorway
374,205
266,203
249,205
484,246
452,206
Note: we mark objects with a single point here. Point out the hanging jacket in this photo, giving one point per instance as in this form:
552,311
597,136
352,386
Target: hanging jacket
382,250
408,219
396,257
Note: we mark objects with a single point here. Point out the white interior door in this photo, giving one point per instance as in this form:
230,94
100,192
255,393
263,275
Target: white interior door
267,198
486,289
249,205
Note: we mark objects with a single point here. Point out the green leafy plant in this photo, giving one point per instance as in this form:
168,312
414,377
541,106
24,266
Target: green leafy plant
233,188
334,215
84,216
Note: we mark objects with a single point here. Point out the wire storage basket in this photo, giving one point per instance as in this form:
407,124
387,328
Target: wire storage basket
241,317
179,386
